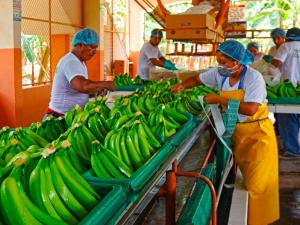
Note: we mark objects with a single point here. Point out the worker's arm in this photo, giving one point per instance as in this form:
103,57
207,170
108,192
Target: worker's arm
157,62
275,62
84,85
191,82
246,108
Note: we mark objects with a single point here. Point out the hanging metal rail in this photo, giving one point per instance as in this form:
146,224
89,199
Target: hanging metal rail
149,9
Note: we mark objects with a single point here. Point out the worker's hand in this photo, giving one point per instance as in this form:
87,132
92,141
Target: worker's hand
212,99
177,88
169,65
109,85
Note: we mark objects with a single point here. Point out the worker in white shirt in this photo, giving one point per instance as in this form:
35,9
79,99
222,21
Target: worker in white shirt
254,141
278,36
288,58
254,49
151,56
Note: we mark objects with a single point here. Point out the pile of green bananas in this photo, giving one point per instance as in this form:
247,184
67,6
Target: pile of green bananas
284,89
203,90
50,129
187,102
16,141
130,144
46,190
80,138
125,80
165,121
80,115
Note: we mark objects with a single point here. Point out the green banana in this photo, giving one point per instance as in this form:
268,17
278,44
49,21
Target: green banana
97,166
107,138
132,152
45,192
64,192
145,146
145,152
13,206
149,136
124,152
122,167
57,203
77,185
78,166
93,126
177,116
109,166
35,187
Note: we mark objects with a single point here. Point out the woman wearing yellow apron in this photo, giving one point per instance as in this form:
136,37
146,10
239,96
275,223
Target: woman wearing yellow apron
254,140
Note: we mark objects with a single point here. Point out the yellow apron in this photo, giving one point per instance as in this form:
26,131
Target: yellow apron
255,150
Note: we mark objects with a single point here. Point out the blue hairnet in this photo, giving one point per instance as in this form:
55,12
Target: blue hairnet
236,51
293,34
277,32
252,45
156,33
86,36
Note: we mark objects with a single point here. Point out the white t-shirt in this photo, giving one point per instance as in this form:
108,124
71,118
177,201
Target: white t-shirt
63,96
147,52
254,85
289,54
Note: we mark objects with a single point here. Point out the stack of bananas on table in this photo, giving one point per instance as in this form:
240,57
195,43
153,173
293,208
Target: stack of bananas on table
284,89
17,140
79,115
130,144
165,121
50,129
125,80
45,190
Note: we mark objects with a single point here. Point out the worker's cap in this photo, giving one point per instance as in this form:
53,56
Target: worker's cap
278,32
236,51
156,33
293,34
252,45
86,36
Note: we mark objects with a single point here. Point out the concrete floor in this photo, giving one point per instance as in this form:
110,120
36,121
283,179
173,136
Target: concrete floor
289,188
289,192
191,162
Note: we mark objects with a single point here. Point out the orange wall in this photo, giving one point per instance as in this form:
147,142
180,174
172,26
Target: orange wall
60,46
9,86
35,104
134,57
95,66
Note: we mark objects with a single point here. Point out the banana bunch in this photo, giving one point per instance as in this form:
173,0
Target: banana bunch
50,129
69,116
97,124
19,140
123,80
107,165
16,206
187,102
81,138
51,191
4,135
284,89
132,144
165,121
202,90
138,80
131,105
100,103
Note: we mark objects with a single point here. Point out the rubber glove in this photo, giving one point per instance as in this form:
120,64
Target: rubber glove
267,58
169,65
